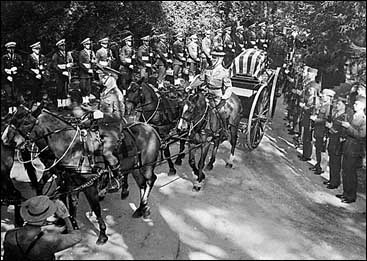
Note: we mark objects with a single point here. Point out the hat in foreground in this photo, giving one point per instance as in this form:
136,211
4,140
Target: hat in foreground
37,209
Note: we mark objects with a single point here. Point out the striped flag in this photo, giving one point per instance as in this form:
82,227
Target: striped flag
251,62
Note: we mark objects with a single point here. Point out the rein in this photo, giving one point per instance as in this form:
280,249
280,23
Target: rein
201,119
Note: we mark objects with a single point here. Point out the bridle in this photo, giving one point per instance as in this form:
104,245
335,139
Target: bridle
202,119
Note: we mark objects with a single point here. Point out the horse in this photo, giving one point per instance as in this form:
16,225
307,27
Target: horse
203,122
64,140
151,107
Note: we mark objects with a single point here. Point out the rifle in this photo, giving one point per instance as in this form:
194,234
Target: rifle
312,124
328,131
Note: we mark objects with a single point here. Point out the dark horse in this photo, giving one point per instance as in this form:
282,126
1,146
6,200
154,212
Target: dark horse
64,140
153,109
204,124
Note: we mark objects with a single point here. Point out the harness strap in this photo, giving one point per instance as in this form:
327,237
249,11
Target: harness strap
31,245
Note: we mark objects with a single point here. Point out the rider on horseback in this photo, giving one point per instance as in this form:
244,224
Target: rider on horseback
111,111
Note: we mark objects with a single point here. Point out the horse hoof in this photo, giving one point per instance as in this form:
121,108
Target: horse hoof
138,213
124,193
196,189
101,239
146,212
178,162
172,172
209,167
229,165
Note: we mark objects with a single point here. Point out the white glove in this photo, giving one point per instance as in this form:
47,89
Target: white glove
131,66
14,69
65,73
69,65
38,76
301,104
10,79
329,125
124,92
90,71
97,115
313,117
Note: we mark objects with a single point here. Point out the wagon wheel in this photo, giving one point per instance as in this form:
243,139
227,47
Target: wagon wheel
272,93
258,117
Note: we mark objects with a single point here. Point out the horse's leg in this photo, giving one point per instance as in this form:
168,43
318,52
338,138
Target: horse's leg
167,154
91,194
141,182
201,176
18,220
150,178
233,141
214,153
192,162
181,155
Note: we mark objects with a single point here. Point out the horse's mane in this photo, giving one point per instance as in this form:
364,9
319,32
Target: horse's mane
150,90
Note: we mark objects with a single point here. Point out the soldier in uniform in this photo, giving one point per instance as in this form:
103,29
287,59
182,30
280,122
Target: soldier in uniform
239,40
319,119
353,149
111,114
336,139
218,41
193,56
36,65
86,63
126,60
11,68
262,41
143,59
178,58
161,55
206,47
228,43
103,55
62,74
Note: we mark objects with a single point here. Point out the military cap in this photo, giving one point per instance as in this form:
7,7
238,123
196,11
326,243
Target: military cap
328,92
85,41
218,54
262,24
162,36
109,71
219,30
61,42
194,36
104,40
36,45
239,28
208,32
10,44
252,26
179,35
129,37
145,38
227,28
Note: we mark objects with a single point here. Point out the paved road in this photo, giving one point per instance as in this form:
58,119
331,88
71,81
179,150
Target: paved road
270,206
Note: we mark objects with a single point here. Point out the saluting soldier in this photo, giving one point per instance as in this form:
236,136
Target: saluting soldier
262,41
353,149
36,66
228,43
86,63
144,60
126,59
161,55
218,41
319,119
193,56
62,74
11,69
206,47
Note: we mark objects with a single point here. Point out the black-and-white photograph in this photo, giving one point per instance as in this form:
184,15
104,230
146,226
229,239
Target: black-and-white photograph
183,130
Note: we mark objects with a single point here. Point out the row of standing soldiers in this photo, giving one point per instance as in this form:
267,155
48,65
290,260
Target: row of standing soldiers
167,59
334,119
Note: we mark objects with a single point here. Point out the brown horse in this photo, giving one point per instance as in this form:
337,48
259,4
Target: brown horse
153,109
204,124
64,141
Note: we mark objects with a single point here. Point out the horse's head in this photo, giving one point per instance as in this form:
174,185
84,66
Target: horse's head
19,127
194,108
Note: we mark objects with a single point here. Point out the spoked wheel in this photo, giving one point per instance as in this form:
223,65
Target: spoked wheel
258,117
272,92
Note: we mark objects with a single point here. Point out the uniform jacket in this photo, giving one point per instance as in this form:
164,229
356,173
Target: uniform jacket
59,58
8,61
355,136
161,53
85,63
143,56
322,116
36,63
336,133
239,42
126,56
112,100
218,43
102,56
206,47
178,52
193,51
228,44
